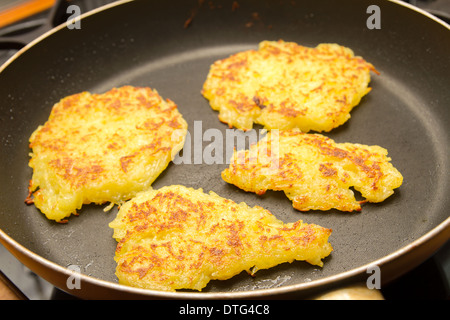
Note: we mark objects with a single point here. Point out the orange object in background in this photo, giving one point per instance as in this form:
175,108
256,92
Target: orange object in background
19,10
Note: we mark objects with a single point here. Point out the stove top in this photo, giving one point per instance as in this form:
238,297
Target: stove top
430,280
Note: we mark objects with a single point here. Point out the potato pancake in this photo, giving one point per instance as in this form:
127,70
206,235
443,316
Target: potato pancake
283,85
315,172
181,238
99,148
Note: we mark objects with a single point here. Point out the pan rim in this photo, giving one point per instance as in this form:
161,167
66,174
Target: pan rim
442,228
120,2
18,249
422,11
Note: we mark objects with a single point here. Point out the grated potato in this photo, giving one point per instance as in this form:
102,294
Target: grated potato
99,148
315,172
283,85
181,238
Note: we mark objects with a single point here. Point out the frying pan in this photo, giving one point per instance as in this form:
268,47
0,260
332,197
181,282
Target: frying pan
169,46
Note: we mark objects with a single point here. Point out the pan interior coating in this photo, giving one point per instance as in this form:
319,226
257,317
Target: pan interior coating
284,85
98,148
181,238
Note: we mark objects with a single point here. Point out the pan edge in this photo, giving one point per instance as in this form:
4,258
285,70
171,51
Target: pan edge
58,275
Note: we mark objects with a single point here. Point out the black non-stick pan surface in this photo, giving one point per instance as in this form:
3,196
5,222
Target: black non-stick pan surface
169,46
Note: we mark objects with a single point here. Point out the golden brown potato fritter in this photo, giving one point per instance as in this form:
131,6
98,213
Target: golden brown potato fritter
283,85
181,238
315,172
98,148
